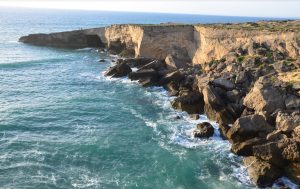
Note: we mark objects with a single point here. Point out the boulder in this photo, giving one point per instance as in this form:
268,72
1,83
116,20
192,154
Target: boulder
262,173
119,70
192,103
203,130
248,127
246,148
223,83
287,122
263,97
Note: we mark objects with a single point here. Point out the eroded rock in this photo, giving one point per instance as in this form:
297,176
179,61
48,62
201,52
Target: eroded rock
204,130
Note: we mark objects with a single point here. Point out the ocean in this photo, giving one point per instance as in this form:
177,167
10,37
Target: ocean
64,125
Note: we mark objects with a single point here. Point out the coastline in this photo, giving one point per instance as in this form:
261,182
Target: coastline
172,71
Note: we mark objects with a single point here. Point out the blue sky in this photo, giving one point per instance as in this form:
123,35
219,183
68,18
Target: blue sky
256,8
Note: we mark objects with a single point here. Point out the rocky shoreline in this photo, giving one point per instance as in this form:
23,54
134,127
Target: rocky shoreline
247,80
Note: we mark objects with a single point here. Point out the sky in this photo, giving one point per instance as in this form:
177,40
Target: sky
254,8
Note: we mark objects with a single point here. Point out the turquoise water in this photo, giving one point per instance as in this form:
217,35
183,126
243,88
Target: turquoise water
64,125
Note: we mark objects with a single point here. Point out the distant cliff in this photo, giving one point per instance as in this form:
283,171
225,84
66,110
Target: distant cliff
181,44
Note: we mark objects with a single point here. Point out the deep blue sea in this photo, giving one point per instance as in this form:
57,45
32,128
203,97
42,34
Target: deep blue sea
64,125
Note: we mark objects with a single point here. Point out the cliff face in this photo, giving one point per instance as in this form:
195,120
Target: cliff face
215,43
199,44
186,44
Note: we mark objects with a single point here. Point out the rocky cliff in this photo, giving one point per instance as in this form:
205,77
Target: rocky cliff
181,44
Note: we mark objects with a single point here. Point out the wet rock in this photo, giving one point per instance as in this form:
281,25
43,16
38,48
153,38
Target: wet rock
204,130
249,127
119,70
223,83
246,148
287,122
102,60
262,173
192,103
263,97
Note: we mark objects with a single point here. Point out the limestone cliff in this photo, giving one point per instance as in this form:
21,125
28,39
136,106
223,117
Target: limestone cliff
183,44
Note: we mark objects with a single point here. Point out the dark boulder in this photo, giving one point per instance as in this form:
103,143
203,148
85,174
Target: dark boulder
191,102
203,130
119,70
